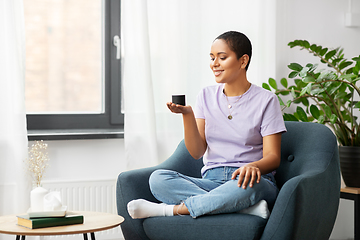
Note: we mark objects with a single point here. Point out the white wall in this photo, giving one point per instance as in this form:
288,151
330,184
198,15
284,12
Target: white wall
321,22
85,159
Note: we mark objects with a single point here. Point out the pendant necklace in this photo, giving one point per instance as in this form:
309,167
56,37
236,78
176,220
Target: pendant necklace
230,107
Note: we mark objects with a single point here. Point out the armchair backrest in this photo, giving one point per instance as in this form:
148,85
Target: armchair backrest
303,147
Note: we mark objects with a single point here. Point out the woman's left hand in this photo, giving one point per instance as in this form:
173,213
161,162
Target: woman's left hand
247,175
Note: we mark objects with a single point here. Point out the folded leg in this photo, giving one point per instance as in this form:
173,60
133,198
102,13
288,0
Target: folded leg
171,187
229,198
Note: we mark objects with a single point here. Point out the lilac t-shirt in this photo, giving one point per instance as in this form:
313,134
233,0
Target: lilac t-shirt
238,141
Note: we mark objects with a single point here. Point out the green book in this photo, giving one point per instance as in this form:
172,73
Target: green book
33,223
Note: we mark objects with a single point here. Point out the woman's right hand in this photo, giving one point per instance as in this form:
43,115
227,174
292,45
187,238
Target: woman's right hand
176,108
194,130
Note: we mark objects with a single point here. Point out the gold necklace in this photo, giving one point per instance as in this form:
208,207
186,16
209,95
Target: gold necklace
230,107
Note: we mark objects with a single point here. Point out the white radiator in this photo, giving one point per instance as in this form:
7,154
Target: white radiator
91,195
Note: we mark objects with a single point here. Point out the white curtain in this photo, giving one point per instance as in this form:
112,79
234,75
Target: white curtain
166,45
14,191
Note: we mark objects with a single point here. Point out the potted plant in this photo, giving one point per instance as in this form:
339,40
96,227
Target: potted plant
327,95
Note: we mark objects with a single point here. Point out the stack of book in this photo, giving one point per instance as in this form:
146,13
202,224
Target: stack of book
42,222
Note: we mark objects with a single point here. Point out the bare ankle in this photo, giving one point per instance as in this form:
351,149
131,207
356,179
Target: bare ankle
181,209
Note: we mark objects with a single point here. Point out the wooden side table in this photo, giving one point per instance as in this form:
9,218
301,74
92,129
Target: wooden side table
93,222
353,194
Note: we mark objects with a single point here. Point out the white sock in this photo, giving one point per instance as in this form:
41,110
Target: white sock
141,208
260,209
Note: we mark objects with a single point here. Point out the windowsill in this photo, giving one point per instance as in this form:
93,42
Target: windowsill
72,134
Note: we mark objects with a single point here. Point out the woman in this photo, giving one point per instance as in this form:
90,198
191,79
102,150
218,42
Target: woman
236,127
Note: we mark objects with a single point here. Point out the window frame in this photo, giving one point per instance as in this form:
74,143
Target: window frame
109,124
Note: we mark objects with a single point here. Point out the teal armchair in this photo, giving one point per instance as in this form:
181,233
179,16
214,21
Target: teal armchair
305,209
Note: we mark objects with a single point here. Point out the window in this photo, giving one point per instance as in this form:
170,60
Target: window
72,84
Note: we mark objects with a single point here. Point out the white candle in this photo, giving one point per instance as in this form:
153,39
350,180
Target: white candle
37,199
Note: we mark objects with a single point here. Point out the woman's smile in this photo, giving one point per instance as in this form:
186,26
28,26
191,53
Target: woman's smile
217,72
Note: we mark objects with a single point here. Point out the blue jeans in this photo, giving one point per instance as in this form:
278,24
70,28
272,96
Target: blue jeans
214,193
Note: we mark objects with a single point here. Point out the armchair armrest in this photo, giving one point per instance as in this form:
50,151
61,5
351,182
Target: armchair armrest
306,206
135,184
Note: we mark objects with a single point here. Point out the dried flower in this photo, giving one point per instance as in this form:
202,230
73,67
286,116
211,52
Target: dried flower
38,161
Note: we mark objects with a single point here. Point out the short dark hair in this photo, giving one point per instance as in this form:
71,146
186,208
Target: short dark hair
238,43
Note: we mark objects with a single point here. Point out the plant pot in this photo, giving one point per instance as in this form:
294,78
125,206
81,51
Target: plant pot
350,165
